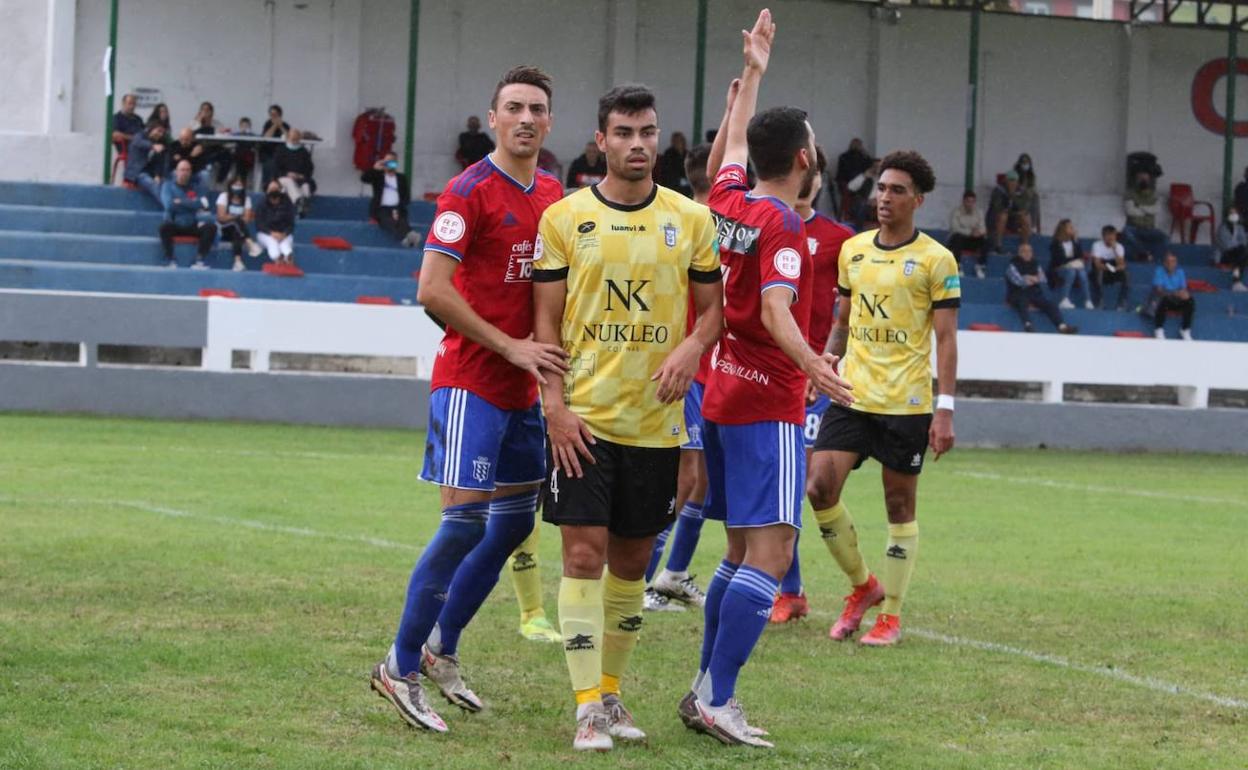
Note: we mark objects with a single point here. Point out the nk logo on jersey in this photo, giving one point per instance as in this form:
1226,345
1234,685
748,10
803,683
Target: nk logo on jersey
627,294
873,306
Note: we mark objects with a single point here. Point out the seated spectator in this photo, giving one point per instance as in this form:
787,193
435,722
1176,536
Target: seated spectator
126,124
590,167
275,225
850,164
966,233
474,144
670,168
160,114
274,128
292,168
1007,211
1141,237
217,156
861,195
185,201
1066,264
1232,245
1028,195
234,218
547,162
244,155
1024,287
147,165
186,148
1241,193
1170,293
391,195
1109,265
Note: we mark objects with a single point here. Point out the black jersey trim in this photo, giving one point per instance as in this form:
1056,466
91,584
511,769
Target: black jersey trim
654,193
705,276
907,242
941,304
550,276
843,290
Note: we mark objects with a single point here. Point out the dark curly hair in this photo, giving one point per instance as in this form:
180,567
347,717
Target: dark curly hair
915,165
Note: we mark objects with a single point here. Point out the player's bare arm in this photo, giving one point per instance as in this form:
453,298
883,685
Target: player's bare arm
440,297
945,324
568,434
716,157
821,369
681,365
757,51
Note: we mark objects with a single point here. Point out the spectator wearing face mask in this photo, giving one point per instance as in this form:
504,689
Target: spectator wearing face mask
275,225
1232,244
1141,236
234,218
391,196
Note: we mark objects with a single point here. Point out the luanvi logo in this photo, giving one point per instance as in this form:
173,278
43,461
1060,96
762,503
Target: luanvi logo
579,642
895,552
630,624
523,561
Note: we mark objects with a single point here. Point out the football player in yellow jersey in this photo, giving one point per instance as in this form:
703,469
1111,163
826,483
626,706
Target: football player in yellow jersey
616,265
897,285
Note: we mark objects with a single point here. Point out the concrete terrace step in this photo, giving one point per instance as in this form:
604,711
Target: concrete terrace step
1212,325
37,274
992,290
128,250
102,197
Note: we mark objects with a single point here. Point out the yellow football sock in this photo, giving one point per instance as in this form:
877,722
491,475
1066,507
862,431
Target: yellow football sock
903,549
621,603
526,578
580,622
839,535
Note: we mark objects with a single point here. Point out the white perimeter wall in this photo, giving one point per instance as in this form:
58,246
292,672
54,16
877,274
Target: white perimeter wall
1076,95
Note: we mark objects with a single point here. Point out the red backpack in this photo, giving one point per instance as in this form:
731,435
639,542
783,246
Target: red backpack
373,133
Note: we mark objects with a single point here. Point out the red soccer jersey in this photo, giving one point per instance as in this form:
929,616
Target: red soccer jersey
487,221
824,237
762,244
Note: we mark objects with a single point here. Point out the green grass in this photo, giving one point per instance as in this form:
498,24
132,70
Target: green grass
177,595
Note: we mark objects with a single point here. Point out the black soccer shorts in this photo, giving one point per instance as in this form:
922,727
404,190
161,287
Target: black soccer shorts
897,441
629,490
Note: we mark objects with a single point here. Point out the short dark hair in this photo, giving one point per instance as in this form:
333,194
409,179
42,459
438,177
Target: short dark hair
277,107
628,99
774,136
695,168
969,194
525,74
1107,229
821,160
915,165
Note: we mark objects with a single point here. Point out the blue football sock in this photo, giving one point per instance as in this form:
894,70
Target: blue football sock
511,521
714,599
656,555
743,615
688,530
461,529
792,582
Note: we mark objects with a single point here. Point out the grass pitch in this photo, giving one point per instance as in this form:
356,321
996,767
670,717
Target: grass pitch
177,595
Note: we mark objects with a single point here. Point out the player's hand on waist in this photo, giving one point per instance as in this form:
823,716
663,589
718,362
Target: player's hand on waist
812,395
569,440
677,371
822,373
940,436
534,357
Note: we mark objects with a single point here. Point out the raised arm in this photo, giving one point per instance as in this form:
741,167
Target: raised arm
756,44
716,157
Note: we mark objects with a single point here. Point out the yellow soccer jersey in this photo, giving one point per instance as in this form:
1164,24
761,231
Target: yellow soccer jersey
893,291
628,270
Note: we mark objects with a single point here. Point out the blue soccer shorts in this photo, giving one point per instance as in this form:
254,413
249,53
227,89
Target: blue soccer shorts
814,417
693,416
756,473
473,444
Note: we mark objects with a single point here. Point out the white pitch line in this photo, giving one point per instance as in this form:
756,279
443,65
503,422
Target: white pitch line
1103,489
1056,660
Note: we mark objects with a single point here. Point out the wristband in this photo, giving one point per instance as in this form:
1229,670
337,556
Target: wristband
944,401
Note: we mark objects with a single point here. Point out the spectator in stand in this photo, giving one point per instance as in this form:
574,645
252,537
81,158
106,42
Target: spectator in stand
1066,264
186,203
590,167
474,144
1232,244
147,165
670,169
234,218
126,123
244,157
160,114
862,193
292,167
186,148
1141,236
1028,195
1024,287
216,156
274,128
966,233
391,196
1006,212
1109,265
547,162
852,162
1170,293
1241,193
275,225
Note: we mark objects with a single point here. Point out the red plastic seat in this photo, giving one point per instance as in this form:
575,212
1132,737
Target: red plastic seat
1130,334
227,293
1198,286
332,242
979,326
282,270
1183,206
191,239
368,299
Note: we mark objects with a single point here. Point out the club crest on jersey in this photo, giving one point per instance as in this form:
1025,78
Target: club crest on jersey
813,245
481,468
669,235
909,267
